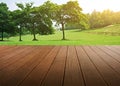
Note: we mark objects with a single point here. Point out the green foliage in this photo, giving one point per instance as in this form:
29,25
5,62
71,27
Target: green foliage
44,30
4,19
68,13
102,19
82,25
40,19
34,19
49,8
46,13
6,35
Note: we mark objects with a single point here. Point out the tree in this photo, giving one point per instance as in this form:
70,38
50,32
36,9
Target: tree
4,19
83,24
18,21
95,19
46,13
69,12
33,22
23,16
107,17
12,24
102,19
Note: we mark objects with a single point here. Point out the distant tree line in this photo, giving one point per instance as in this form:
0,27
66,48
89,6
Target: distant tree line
102,19
97,20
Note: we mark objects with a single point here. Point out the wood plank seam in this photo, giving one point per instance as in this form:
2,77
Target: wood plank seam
49,68
73,76
31,71
106,62
10,50
23,57
20,69
107,84
112,50
64,68
109,55
91,65
15,60
80,68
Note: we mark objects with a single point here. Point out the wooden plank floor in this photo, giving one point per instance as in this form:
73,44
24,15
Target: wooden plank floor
59,65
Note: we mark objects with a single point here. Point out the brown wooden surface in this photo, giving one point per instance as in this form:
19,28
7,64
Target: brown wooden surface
59,65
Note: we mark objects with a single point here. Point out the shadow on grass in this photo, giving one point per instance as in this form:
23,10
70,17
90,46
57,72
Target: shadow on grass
4,40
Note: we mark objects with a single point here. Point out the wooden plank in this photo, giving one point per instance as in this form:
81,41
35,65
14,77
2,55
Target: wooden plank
7,51
73,75
116,47
24,57
112,48
108,74
115,65
13,57
23,72
8,71
2,48
91,75
57,66
36,76
111,53
56,73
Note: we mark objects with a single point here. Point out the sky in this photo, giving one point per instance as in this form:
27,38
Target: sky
87,5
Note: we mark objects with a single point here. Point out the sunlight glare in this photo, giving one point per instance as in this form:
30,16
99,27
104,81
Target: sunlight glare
99,5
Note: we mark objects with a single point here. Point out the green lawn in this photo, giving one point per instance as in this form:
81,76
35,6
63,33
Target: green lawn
74,37
110,28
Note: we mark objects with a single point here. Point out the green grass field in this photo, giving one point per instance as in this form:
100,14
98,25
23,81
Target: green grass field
74,37
110,28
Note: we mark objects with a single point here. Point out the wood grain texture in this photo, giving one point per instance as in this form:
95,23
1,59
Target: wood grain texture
59,65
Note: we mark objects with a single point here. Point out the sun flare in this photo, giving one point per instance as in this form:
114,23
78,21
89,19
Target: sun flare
99,5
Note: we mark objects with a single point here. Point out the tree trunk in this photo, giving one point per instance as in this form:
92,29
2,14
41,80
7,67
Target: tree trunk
20,32
63,31
34,34
2,36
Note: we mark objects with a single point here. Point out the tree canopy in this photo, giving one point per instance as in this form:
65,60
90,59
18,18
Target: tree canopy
102,19
4,19
40,19
67,13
